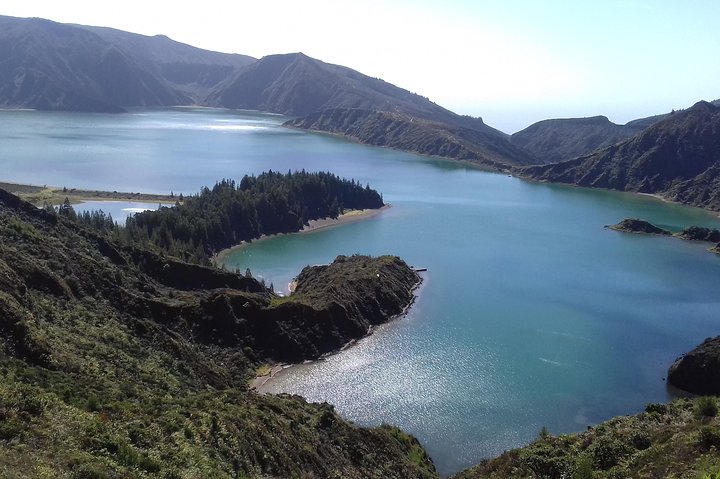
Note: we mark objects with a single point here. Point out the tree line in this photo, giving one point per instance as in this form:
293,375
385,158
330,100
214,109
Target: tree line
230,213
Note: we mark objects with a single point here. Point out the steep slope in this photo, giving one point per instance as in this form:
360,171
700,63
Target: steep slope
119,362
678,158
297,85
336,99
51,66
558,140
193,70
407,133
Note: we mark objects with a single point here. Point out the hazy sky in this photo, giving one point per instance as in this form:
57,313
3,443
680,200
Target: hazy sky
513,62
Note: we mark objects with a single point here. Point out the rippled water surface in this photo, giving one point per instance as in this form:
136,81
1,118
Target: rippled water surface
531,313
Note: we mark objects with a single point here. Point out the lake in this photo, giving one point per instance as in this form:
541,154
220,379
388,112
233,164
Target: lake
531,313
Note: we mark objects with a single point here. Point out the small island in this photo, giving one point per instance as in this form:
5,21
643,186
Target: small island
634,225
691,233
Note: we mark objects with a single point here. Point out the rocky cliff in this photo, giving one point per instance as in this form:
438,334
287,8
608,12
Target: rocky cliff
698,371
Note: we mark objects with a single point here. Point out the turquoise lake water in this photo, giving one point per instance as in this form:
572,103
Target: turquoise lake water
531,313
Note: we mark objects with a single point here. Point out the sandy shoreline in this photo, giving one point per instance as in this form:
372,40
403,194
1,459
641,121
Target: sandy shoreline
39,195
350,216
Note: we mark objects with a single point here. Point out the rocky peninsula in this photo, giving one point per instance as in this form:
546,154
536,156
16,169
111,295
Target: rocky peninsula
698,371
634,225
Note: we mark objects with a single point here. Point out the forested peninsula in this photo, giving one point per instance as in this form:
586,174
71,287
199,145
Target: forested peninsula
119,359
229,213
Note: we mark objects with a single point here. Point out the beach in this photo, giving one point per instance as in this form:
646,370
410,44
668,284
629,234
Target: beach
349,216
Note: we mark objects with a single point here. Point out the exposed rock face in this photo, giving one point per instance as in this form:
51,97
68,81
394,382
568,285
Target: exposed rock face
677,157
631,225
698,371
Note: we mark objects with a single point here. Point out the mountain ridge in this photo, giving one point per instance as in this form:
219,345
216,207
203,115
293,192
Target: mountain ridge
560,139
425,137
52,66
678,158
192,70
263,85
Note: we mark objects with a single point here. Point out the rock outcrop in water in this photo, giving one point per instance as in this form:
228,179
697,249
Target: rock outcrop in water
698,371
699,233
691,233
634,225
116,361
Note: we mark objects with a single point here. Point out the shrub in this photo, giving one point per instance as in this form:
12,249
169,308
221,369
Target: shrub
656,408
709,437
705,406
583,468
545,461
88,471
640,440
10,429
608,452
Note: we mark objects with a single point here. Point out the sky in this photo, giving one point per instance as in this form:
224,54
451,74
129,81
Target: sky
511,62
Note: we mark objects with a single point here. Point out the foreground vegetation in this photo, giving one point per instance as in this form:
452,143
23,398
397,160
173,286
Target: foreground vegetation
118,361
676,440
